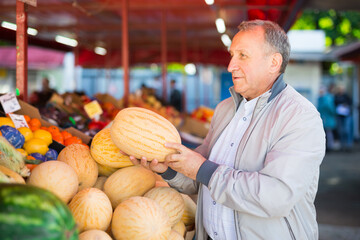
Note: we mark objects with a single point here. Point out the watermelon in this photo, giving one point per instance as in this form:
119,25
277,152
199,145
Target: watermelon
28,212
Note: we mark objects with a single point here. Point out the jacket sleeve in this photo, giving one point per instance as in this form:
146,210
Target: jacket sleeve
290,170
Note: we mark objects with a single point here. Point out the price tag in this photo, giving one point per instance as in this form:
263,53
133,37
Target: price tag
18,120
93,109
10,103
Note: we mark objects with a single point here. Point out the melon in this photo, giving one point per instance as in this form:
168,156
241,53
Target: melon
105,170
188,217
180,228
13,176
57,177
28,212
91,209
170,200
141,132
106,153
94,234
174,235
140,218
128,182
99,184
79,158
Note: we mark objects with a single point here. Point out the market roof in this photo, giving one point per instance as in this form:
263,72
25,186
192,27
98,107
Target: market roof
190,26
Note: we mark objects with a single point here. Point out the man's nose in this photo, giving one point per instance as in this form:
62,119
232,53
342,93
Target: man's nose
232,65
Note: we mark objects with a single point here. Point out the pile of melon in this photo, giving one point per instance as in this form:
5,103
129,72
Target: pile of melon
107,195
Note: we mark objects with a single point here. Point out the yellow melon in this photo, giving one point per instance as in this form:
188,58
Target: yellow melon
169,199
105,170
180,228
141,132
57,177
128,182
99,184
174,235
91,209
140,218
78,157
188,217
94,234
105,152
14,177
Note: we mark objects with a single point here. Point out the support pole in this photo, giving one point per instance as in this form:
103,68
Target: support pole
125,50
21,50
164,55
184,61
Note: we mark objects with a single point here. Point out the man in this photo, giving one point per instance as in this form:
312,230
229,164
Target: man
256,174
175,96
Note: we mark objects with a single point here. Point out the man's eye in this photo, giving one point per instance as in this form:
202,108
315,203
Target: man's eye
242,55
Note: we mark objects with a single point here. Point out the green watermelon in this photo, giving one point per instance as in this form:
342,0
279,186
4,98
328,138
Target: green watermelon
28,212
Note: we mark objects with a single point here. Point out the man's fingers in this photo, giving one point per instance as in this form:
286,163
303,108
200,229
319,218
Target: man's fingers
177,146
173,158
134,160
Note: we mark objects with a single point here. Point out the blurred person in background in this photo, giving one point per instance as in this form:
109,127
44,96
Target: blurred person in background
326,108
343,104
40,98
175,96
257,172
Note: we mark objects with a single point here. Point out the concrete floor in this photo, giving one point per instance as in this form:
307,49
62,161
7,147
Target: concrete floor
338,198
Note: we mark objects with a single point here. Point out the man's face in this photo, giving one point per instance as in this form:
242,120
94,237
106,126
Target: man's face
250,63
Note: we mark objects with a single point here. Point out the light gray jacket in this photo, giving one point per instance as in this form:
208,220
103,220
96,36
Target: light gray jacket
274,182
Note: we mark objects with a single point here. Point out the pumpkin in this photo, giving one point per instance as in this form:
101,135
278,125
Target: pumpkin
91,209
94,234
13,136
169,199
28,212
106,153
174,235
180,228
139,218
128,182
79,158
188,217
57,177
14,177
141,132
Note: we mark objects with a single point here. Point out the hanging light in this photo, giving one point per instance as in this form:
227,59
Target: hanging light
220,25
12,26
190,69
209,2
226,40
100,50
67,41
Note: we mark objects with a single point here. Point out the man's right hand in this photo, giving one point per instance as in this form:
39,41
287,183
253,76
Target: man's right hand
154,165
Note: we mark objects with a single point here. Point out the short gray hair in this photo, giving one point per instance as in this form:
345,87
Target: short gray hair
275,36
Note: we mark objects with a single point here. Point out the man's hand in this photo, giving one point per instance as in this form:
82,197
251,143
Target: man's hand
154,165
185,161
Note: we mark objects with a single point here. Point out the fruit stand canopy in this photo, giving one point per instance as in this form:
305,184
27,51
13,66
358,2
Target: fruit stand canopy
191,34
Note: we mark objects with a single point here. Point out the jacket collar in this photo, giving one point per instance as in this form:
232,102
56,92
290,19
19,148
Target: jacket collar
277,87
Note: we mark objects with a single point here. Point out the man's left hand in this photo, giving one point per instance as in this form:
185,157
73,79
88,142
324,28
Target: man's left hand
185,161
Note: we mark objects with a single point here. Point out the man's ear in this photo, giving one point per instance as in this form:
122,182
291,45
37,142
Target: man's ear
276,61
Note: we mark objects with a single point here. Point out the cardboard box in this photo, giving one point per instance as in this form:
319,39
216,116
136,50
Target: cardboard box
195,127
108,98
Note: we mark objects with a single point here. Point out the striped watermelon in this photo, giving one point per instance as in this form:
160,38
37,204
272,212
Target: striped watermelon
28,212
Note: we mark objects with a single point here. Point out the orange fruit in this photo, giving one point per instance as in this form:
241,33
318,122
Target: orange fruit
44,128
72,140
34,122
44,135
32,128
26,132
53,129
66,135
27,118
58,137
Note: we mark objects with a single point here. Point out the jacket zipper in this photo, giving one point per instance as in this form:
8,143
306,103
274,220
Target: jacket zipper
290,230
